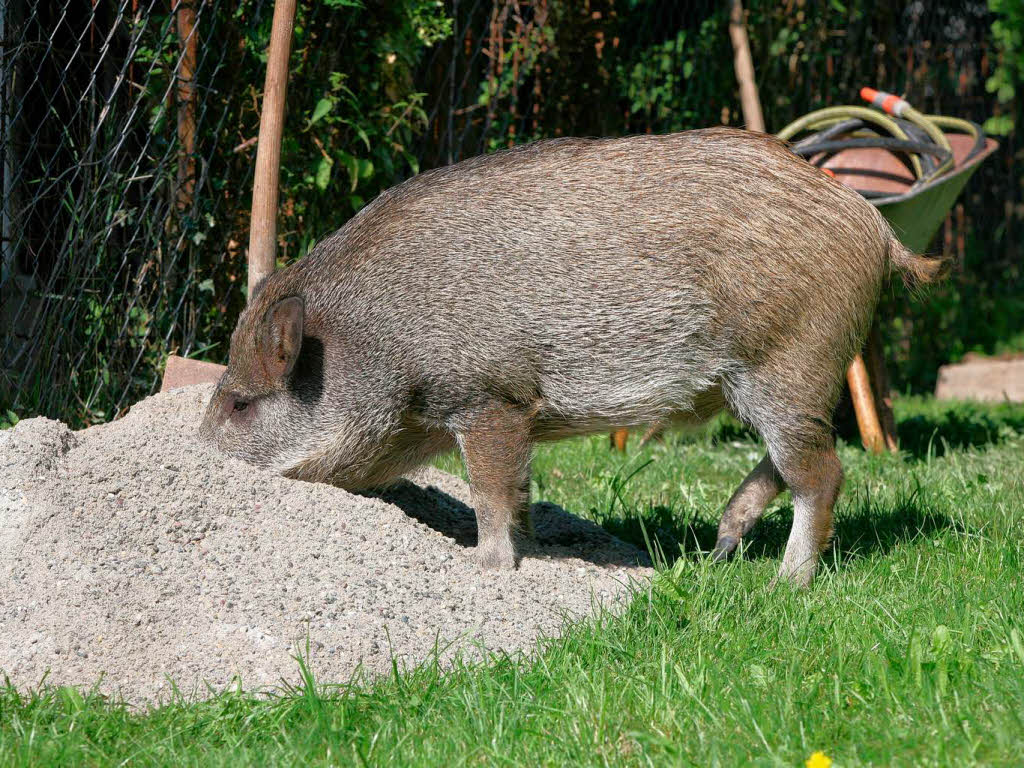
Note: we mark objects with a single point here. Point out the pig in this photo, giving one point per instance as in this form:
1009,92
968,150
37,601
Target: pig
562,288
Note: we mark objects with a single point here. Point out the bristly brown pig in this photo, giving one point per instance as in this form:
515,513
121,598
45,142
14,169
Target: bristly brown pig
566,287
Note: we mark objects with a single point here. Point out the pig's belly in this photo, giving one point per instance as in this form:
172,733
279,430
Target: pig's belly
554,424
628,389
644,361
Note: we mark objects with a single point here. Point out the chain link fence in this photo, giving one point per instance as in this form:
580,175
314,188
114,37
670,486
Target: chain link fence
114,119
128,131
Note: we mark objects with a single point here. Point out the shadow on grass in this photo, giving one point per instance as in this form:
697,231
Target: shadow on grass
558,533
935,427
670,534
862,528
924,425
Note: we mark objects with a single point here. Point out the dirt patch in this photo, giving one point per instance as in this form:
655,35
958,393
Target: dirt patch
132,553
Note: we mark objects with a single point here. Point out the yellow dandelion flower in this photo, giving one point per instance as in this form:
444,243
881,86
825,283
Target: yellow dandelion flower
819,760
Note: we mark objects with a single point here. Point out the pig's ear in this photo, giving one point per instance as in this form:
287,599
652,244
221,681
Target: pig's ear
282,337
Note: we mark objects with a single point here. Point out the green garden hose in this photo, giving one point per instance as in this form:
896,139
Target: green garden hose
894,126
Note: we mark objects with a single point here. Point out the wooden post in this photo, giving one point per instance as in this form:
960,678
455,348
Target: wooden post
744,66
880,387
7,270
618,439
263,223
185,19
864,406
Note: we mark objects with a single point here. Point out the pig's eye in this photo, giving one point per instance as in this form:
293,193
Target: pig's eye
237,408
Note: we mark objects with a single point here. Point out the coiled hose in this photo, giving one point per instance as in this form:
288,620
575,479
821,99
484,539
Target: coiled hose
920,139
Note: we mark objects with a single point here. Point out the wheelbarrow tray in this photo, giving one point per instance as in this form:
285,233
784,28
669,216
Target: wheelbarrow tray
915,214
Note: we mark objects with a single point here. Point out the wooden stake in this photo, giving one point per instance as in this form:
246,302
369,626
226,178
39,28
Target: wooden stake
880,387
619,438
263,224
744,66
864,406
185,19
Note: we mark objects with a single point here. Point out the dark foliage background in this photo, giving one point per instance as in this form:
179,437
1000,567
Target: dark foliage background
128,132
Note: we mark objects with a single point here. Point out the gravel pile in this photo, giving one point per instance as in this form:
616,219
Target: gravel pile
132,555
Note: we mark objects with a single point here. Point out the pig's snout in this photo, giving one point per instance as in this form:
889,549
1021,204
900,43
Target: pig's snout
218,411
207,433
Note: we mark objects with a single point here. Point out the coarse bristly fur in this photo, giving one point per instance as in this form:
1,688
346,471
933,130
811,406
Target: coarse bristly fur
566,287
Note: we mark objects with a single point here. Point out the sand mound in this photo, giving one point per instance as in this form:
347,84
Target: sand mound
131,552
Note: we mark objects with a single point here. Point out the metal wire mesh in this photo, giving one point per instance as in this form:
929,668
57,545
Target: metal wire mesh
515,71
112,117
127,143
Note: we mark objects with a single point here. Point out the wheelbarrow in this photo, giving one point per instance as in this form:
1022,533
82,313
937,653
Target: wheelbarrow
911,167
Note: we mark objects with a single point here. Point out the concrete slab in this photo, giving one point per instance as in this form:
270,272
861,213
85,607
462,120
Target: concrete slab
978,378
183,372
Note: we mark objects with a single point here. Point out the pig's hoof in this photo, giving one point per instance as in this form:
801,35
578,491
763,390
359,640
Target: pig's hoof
724,547
799,578
495,558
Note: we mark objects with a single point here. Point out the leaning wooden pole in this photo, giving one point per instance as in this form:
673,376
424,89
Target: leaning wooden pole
871,434
263,224
875,361
743,64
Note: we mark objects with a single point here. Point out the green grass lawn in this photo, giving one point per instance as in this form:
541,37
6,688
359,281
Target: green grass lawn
908,649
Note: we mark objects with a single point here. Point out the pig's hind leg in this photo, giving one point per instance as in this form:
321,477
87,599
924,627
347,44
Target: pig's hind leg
496,450
746,506
794,421
814,476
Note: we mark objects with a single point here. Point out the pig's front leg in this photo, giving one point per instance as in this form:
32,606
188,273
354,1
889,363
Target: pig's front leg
495,446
